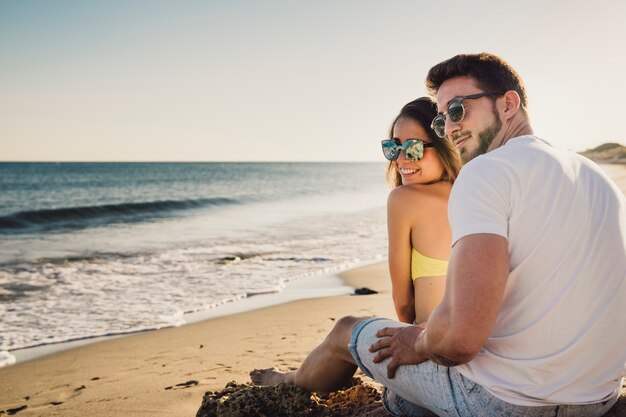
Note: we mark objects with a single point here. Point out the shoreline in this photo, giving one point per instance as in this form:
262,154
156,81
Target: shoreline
167,372
327,284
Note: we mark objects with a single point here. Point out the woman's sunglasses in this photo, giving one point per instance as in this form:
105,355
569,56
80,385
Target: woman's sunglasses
413,149
455,111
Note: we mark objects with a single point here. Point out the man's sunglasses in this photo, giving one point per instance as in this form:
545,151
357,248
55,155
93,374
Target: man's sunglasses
455,112
413,149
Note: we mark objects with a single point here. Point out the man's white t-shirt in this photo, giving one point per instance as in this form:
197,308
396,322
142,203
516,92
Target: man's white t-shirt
560,335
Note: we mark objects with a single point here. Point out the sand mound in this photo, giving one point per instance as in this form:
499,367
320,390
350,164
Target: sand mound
362,400
245,400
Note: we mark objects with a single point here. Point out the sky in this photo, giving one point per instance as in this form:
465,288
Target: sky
310,80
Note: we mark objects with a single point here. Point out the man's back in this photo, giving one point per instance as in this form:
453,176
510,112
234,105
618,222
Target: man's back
560,336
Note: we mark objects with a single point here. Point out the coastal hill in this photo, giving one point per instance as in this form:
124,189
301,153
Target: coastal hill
608,153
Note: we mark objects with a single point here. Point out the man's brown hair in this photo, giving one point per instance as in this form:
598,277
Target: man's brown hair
491,73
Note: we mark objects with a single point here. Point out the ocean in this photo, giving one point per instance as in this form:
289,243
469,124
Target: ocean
93,249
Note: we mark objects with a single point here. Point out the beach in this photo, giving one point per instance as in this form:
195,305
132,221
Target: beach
168,371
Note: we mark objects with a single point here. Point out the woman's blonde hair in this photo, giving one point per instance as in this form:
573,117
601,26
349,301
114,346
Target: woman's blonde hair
423,111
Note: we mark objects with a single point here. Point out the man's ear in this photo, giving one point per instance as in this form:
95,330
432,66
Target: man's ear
511,103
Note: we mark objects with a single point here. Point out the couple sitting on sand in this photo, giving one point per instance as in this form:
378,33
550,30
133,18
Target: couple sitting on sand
527,317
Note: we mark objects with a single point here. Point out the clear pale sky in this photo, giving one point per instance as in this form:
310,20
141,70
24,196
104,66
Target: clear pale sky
310,80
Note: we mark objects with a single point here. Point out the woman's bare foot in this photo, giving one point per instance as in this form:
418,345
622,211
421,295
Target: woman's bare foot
272,376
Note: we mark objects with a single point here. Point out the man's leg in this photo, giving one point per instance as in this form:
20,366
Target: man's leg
329,367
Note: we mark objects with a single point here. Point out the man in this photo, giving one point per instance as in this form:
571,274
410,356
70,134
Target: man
532,320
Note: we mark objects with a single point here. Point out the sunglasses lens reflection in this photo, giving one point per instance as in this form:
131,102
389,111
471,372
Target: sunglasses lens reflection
414,150
439,126
456,111
390,150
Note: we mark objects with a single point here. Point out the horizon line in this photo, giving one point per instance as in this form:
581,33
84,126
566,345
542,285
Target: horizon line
181,162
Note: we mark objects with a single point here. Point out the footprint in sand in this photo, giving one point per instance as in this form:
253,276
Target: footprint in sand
14,410
183,385
64,393
53,397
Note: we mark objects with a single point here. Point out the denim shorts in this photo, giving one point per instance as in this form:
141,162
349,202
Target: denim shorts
430,390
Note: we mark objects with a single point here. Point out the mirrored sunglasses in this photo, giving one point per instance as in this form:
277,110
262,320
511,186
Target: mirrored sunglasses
455,111
413,149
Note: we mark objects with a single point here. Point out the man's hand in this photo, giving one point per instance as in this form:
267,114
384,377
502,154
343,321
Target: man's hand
399,344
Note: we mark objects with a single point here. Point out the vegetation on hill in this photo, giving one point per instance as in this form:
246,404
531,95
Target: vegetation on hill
612,153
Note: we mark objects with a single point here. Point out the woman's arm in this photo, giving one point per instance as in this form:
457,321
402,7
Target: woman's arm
399,234
420,211
431,237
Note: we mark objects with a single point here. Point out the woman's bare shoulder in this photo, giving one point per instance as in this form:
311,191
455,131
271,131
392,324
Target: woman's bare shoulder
415,196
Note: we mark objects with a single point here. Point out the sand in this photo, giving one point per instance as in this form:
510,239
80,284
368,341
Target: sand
167,372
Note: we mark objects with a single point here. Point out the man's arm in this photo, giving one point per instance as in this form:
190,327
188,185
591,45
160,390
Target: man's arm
462,323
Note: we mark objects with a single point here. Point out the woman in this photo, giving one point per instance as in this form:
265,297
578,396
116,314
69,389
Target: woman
421,170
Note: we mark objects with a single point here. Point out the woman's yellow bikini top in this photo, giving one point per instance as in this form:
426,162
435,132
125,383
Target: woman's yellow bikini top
423,266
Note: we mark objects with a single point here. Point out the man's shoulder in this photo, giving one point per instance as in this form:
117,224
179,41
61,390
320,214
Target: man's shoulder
526,153
485,164
519,147
516,159
536,153
528,161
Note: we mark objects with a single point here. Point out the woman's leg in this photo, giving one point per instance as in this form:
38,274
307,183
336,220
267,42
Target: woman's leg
329,367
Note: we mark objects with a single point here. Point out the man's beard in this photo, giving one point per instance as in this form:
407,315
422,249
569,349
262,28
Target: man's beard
485,138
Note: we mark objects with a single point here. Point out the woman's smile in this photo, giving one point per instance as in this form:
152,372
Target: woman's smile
406,172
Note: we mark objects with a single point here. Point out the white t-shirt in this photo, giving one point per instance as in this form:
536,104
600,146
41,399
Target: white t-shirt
560,334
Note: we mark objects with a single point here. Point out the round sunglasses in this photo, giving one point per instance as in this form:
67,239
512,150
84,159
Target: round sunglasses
455,111
413,149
